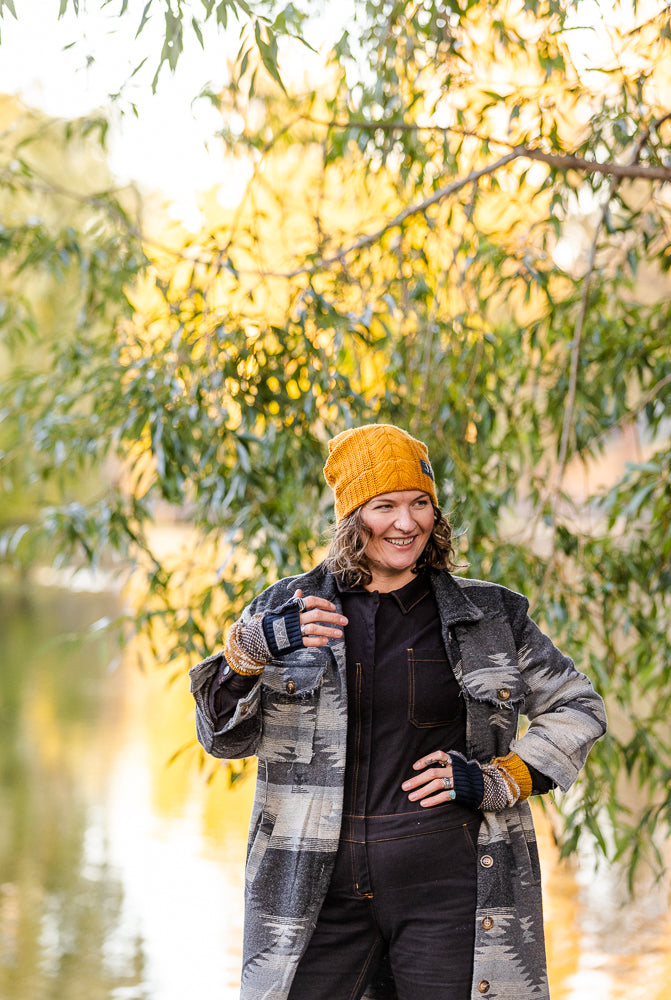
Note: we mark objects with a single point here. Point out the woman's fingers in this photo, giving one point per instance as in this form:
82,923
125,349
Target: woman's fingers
319,635
318,605
332,618
431,775
439,758
434,784
320,621
434,793
438,799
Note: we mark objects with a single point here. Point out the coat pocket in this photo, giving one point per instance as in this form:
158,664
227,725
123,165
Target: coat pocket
503,688
258,845
290,699
490,670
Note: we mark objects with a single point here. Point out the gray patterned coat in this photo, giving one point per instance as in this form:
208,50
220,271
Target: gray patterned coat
295,721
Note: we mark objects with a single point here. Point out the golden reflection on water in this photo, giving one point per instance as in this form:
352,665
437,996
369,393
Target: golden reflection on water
178,838
601,944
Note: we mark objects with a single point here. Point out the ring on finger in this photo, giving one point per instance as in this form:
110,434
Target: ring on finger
300,604
303,627
447,783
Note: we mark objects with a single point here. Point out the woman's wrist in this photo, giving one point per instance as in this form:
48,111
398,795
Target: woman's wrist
490,787
507,781
282,627
467,780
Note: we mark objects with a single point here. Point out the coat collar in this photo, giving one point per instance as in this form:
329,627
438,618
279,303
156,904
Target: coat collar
453,604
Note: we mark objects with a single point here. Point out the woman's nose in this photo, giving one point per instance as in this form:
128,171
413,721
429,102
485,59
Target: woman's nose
404,520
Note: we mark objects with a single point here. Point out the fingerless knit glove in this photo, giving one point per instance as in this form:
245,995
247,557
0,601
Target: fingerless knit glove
282,628
490,787
246,649
253,644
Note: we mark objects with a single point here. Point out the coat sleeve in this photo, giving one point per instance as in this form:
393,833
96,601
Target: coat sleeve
241,733
239,736
566,715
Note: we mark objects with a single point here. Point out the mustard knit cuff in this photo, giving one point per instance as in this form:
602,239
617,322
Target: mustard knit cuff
518,771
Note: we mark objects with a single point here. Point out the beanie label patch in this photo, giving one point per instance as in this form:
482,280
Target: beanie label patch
426,468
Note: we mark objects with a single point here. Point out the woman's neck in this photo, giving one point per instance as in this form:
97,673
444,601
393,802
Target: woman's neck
384,583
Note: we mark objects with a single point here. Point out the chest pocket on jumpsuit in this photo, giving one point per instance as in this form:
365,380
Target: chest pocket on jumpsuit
290,699
433,692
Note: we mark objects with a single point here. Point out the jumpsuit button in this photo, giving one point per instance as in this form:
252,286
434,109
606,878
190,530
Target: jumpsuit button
486,861
290,687
487,923
504,694
483,987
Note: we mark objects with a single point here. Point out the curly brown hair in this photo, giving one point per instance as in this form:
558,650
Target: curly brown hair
346,557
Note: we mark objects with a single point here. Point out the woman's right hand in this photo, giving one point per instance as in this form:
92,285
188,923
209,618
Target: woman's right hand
320,620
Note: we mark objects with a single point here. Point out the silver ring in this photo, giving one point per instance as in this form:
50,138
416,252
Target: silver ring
447,783
301,604
302,629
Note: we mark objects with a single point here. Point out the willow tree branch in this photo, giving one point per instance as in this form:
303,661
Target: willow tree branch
559,162
398,220
619,171
646,398
569,411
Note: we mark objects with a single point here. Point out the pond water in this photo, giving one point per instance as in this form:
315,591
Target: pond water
121,872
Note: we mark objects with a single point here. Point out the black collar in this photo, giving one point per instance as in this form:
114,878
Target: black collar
407,597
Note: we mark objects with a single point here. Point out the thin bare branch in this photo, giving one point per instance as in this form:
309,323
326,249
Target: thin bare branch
617,170
569,411
566,162
407,213
633,411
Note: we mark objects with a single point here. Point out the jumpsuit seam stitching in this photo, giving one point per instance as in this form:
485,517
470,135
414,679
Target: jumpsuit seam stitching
355,783
369,958
411,812
407,836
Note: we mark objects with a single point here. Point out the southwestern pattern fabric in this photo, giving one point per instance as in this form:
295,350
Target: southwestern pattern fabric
295,721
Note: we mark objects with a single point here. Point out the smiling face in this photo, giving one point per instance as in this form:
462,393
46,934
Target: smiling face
401,524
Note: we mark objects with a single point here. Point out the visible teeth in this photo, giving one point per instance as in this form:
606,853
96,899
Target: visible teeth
400,542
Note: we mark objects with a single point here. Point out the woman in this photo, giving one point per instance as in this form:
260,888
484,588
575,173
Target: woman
391,850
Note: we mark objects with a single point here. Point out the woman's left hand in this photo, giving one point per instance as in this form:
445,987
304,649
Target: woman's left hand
435,784
320,620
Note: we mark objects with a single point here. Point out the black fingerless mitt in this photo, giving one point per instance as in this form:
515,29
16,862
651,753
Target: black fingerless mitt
282,628
469,783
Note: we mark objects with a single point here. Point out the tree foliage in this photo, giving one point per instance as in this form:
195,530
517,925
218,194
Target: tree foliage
465,230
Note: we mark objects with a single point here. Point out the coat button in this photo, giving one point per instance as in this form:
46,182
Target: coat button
504,694
483,986
290,687
487,923
486,861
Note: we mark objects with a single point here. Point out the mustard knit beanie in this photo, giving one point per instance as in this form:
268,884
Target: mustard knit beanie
376,458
